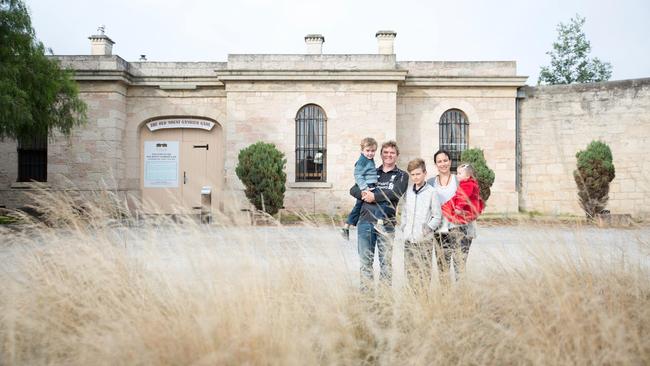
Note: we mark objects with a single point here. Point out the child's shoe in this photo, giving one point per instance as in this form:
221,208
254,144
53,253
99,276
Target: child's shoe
345,232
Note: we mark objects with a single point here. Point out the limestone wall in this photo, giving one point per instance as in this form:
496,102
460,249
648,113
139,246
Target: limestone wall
459,68
9,165
491,114
557,121
311,62
267,111
92,156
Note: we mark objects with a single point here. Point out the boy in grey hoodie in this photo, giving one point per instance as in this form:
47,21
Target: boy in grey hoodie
421,216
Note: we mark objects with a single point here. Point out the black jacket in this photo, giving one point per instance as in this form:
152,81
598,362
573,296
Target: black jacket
391,186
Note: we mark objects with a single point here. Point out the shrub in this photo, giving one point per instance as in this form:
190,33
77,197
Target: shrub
484,174
594,173
260,168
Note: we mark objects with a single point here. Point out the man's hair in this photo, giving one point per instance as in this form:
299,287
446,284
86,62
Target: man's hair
416,163
390,143
368,141
469,168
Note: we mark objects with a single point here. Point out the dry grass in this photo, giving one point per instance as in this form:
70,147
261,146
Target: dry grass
92,291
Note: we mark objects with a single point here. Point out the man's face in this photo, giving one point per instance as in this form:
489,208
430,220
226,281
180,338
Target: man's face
389,155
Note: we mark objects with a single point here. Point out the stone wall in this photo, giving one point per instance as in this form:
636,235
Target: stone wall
558,121
267,111
92,157
491,115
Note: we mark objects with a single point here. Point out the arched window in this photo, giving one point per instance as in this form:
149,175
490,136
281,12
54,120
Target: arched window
454,134
311,144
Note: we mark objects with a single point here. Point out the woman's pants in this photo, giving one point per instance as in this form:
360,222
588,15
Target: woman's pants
452,246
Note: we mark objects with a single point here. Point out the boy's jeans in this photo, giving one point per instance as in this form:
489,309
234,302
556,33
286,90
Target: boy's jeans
353,217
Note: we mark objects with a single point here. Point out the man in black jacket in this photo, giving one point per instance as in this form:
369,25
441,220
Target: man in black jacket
376,227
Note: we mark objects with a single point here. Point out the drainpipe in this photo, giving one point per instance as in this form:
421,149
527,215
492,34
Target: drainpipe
521,95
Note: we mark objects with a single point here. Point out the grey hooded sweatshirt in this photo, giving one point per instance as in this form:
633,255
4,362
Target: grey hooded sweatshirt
421,214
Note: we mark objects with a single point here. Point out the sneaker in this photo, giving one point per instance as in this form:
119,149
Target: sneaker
345,233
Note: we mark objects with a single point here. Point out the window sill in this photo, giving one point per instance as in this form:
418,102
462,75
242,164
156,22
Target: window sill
308,185
29,185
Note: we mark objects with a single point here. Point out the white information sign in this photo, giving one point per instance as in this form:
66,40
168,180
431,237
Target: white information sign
180,123
161,164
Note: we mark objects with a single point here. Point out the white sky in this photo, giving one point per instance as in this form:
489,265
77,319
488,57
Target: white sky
459,30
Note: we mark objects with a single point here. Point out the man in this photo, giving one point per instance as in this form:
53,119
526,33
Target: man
376,227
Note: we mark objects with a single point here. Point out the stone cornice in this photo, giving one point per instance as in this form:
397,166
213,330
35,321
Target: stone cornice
165,82
103,75
513,81
316,75
98,37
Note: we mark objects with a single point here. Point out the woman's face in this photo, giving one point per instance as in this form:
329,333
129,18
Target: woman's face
443,163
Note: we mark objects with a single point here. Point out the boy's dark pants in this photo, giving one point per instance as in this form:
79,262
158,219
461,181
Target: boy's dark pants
418,262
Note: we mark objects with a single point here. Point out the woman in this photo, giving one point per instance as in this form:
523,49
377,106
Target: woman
453,241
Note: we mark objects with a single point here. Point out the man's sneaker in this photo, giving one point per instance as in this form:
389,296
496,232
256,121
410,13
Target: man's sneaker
345,233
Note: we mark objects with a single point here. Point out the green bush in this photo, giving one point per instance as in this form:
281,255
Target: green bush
595,170
484,174
260,168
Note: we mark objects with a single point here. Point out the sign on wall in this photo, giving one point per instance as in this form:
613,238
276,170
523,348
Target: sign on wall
180,123
161,164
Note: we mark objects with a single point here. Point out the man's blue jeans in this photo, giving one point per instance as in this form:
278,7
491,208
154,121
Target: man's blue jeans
367,240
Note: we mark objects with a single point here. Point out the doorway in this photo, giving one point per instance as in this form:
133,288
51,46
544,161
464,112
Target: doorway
176,164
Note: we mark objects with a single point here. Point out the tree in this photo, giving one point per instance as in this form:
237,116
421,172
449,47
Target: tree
595,170
484,175
261,169
36,95
570,62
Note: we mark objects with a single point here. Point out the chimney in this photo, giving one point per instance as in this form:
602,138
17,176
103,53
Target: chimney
314,44
100,44
385,41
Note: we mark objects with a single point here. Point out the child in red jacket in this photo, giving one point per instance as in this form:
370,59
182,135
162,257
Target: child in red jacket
465,206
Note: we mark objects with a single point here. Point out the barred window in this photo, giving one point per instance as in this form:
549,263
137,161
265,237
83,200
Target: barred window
454,135
32,159
311,144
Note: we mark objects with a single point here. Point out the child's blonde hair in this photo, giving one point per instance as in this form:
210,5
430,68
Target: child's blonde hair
416,163
368,142
469,169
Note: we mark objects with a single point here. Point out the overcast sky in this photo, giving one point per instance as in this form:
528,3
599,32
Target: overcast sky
458,30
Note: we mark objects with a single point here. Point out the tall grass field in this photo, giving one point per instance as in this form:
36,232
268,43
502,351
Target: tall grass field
94,285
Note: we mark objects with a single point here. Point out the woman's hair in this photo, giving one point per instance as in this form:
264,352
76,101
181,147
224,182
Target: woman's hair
469,169
435,156
368,142
416,163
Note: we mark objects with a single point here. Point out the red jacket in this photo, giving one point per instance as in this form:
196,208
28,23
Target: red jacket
466,201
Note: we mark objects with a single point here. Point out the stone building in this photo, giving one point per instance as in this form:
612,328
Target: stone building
160,131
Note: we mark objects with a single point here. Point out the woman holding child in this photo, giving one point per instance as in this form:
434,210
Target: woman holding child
443,208
461,205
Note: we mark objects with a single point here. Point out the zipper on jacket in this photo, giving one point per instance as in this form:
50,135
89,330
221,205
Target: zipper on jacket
415,209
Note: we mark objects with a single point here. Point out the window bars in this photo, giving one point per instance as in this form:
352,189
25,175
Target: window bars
32,159
454,135
311,148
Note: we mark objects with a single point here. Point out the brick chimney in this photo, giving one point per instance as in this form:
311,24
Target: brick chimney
314,44
100,44
385,41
